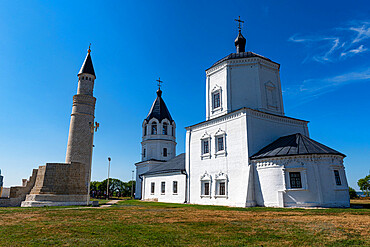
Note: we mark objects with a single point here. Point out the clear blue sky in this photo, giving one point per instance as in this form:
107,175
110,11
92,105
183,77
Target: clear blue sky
322,46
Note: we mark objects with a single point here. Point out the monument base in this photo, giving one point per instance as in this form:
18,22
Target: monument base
41,200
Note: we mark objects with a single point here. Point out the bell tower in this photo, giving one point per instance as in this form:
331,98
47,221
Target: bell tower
158,132
243,79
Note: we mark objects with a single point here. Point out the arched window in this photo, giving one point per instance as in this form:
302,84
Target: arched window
173,130
164,152
165,128
154,128
145,130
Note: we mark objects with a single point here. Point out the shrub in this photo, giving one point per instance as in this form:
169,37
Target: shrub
352,193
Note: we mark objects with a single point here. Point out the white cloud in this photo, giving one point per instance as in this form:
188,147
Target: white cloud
312,88
339,43
357,50
363,32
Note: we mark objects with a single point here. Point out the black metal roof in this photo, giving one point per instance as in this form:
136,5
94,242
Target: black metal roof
238,55
176,164
87,66
159,109
296,144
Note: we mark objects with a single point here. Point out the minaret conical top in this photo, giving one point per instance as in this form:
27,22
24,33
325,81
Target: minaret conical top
87,66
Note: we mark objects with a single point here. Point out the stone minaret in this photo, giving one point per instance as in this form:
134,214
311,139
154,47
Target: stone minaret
81,130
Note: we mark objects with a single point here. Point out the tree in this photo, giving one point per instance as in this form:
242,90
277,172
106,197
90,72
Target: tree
364,184
352,193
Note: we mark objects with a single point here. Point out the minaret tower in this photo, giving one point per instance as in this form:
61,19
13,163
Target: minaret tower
159,132
81,130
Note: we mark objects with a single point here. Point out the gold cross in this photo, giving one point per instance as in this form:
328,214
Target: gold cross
239,24
89,48
159,82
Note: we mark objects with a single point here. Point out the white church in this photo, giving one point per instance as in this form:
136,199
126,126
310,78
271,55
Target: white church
246,153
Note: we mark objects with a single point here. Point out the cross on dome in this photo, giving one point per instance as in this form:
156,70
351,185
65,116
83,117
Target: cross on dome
159,83
239,23
240,41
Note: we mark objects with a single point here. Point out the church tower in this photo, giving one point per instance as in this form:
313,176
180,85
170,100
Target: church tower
243,79
81,130
158,132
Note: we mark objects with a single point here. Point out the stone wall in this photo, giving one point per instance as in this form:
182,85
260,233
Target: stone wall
62,179
18,193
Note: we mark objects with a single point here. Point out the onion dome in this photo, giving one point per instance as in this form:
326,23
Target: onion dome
240,42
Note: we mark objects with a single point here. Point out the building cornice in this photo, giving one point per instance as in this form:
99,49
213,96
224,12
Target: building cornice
246,111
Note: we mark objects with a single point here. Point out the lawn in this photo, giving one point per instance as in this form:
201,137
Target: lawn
136,223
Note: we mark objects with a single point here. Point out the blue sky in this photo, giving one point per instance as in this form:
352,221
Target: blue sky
323,48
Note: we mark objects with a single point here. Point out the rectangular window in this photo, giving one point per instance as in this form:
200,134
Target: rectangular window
152,186
144,152
164,152
295,180
206,188
221,188
220,143
205,147
163,187
337,177
175,187
216,100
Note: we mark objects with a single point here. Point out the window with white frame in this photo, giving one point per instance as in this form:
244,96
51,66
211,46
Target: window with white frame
220,143
152,188
174,187
163,188
295,180
221,185
205,183
206,146
216,100
337,178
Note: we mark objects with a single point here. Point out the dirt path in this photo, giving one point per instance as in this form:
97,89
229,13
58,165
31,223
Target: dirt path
110,203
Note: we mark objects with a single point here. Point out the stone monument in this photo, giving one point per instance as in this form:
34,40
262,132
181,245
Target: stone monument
63,184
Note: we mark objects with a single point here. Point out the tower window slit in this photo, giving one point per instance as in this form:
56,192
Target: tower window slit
165,129
154,128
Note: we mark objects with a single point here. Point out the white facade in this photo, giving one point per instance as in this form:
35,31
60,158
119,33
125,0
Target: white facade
173,185
245,132
319,185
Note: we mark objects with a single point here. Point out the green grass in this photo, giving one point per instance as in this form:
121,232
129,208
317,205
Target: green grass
137,223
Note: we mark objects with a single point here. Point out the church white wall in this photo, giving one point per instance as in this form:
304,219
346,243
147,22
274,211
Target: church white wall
272,182
264,128
216,81
168,196
233,164
141,168
248,82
